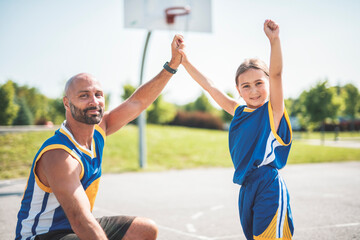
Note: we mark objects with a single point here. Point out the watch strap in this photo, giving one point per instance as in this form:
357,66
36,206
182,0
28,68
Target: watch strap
169,69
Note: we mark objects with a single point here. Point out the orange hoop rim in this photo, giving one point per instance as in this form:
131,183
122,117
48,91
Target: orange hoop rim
170,17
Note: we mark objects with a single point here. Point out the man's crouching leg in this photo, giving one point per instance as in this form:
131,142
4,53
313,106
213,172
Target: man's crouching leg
141,229
129,228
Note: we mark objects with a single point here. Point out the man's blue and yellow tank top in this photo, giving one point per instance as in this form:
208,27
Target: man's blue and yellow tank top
40,211
253,141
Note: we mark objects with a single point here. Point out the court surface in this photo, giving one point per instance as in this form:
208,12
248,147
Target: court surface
202,203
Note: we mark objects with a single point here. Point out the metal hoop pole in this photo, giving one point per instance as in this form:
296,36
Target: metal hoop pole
142,116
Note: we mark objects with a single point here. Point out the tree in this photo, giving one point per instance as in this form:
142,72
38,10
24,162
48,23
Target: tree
39,104
57,110
201,104
319,104
351,98
160,112
225,116
24,115
9,108
128,90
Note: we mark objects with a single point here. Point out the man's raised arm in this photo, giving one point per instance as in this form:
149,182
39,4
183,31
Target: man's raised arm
144,95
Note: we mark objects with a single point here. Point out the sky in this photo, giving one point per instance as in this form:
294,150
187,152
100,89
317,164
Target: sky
44,43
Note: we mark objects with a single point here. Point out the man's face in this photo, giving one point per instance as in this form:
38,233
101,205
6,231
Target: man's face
89,115
86,100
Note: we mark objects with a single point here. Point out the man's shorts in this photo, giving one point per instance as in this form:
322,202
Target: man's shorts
264,206
115,228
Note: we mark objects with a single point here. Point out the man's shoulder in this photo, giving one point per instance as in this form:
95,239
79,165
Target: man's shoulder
58,143
57,138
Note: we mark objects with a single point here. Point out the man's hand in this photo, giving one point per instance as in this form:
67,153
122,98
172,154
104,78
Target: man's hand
176,45
271,29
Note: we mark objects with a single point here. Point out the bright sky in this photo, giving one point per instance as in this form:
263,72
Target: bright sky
43,43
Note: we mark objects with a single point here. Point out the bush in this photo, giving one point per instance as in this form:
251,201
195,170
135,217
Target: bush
197,120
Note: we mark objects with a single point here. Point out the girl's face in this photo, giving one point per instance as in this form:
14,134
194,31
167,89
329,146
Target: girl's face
253,87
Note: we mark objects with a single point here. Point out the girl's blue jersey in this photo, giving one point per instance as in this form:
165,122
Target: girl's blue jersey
253,141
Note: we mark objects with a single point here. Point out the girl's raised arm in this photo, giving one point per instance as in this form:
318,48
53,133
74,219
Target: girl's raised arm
227,103
271,30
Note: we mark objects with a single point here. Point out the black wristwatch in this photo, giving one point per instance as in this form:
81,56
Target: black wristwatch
169,69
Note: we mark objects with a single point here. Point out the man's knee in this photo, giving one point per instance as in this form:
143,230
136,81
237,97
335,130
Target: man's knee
142,228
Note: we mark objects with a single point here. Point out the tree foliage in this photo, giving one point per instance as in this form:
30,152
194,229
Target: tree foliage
23,105
128,90
43,109
319,103
9,108
226,117
24,116
351,98
160,112
315,106
201,104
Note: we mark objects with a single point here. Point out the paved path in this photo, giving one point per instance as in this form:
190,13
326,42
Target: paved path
332,143
202,203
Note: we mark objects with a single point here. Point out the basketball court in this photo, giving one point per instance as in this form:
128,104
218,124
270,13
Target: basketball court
202,203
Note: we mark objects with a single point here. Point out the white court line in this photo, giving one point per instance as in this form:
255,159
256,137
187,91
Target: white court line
190,228
197,215
184,233
195,236
347,225
214,208
343,225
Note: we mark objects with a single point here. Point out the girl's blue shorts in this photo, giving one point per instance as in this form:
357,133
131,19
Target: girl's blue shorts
264,206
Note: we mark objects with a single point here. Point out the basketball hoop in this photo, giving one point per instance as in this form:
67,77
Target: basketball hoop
172,12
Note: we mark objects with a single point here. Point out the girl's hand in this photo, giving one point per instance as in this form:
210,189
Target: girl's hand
184,59
271,29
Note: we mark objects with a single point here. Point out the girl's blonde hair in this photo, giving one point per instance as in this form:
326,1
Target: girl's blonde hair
251,63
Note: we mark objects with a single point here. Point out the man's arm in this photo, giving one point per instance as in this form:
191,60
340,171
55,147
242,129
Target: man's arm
271,30
144,95
60,171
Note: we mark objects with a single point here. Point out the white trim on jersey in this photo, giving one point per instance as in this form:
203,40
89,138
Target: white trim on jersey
269,155
282,210
46,217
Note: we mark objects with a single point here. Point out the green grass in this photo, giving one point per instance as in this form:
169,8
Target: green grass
167,148
305,153
17,152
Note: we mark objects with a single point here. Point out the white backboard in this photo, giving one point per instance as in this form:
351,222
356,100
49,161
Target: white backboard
150,15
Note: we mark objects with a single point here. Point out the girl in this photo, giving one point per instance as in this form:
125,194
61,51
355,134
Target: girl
260,138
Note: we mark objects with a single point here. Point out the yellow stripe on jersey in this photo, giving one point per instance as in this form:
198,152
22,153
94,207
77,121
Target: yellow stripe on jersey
91,192
101,131
246,109
272,125
237,105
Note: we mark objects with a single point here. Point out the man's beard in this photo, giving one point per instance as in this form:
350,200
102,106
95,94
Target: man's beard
81,116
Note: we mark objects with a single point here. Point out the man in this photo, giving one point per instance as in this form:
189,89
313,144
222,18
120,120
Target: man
65,175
